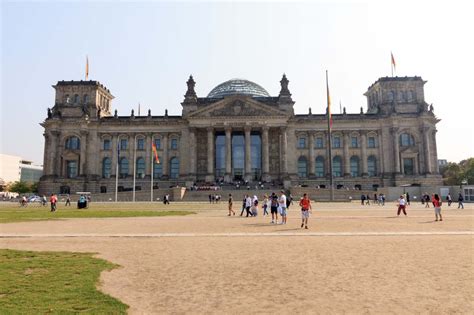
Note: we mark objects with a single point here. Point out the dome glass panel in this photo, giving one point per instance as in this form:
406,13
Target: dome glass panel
238,86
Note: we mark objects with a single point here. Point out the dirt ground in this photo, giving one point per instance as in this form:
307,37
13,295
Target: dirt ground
353,259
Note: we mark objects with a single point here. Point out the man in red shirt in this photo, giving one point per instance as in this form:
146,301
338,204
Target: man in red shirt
53,200
305,205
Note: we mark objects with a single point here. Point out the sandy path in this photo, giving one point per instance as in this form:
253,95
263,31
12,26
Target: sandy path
277,274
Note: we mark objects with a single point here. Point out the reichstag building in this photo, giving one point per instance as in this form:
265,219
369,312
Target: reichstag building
239,133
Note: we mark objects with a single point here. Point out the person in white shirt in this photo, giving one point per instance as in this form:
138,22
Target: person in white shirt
401,206
282,205
255,205
248,204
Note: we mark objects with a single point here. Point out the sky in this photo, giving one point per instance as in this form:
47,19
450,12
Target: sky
144,53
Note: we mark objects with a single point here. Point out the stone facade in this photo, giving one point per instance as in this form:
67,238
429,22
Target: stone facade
239,133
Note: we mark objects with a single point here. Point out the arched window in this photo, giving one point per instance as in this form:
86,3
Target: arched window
123,167
157,170
76,99
67,99
85,98
302,167
73,143
106,167
354,166
372,166
406,140
337,166
319,172
174,169
140,167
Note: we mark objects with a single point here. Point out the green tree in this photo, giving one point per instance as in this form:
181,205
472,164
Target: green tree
20,187
455,173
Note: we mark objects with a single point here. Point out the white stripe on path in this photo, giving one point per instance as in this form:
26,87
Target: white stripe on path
303,233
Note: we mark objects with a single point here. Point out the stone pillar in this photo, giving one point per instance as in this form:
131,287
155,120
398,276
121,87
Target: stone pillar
284,154
210,155
114,154
347,164
193,154
427,149
265,154
165,159
363,144
83,150
228,155
248,160
311,155
56,146
396,151
46,151
435,152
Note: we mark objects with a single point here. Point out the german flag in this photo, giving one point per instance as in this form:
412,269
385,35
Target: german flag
157,160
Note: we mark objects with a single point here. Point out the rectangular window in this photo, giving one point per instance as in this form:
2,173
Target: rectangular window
174,144
336,142
371,142
71,169
107,144
158,144
354,143
140,144
319,143
123,144
408,165
301,143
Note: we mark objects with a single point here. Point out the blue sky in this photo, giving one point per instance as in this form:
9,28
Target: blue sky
145,51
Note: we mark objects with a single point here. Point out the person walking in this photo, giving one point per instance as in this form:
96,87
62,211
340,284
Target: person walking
305,205
362,199
230,205
460,201
437,207
53,200
449,199
274,207
244,202
402,206
367,200
248,204
408,198
265,205
282,206
44,201
255,205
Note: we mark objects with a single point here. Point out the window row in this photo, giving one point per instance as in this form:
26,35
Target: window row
107,144
319,142
76,99
124,168
320,167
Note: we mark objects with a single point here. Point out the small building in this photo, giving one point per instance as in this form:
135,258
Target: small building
14,168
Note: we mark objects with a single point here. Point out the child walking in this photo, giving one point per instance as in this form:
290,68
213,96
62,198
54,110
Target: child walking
305,205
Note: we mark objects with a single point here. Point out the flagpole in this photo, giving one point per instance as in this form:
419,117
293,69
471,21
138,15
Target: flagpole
134,165
117,169
152,168
331,186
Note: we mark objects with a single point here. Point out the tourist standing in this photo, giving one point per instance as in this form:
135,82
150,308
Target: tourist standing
401,206
68,200
362,199
437,206
230,205
265,205
305,205
282,205
274,207
460,201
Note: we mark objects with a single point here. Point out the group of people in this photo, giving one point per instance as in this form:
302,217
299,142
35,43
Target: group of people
214,198
380,199
278,205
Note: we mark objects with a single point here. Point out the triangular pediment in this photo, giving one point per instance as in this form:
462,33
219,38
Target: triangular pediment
238,106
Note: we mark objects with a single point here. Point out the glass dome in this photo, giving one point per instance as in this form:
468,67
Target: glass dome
238,86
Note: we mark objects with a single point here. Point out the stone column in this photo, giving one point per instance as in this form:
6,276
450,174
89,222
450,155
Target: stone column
284,154
165,159
193,154
114,154
427,149
265,154
228,154
311,155
347,164
363,144
46,151
56,146
248,160
435,152
210,154
396,151
83,150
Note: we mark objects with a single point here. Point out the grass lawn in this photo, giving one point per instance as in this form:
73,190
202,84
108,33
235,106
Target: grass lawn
13,213
53,282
